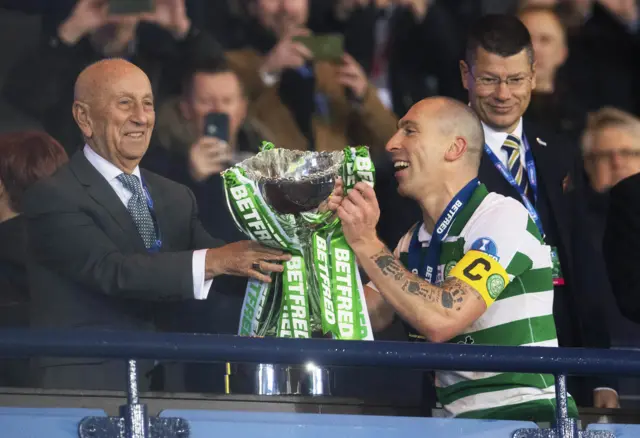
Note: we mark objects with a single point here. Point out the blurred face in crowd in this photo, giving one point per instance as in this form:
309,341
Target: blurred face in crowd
613,155
417,150
279,16
499,87
215,93
114,109
549,44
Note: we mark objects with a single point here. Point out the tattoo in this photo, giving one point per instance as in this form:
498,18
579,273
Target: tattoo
452,295
388,264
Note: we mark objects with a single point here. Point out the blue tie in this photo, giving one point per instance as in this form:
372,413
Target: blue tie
139,209
514,162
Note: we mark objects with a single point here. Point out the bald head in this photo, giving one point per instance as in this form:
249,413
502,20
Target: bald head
455,119
113,107
99,77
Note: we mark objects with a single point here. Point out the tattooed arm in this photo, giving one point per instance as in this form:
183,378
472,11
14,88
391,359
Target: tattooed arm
438,313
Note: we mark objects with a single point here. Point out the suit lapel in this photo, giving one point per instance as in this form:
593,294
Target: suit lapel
100,190
550,172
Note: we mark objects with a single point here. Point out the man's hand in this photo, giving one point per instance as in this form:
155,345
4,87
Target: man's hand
605,399
351,75
418,7
335,198
287,53
245,259
86,16
172,16
208,156
359,214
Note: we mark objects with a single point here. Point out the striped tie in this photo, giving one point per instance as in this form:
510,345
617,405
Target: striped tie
514,163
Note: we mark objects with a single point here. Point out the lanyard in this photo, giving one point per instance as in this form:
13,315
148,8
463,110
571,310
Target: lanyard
533,182
158,243
430,263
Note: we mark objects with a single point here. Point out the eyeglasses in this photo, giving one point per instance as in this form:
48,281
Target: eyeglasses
609,155
491,83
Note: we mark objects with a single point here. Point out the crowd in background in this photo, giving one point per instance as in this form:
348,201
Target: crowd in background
240,57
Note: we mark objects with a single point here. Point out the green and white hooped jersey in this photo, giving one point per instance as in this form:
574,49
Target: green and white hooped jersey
521,315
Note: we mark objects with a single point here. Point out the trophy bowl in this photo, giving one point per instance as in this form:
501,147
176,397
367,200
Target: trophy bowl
294,182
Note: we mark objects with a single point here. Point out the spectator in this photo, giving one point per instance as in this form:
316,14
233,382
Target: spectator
181,151
611,148
530,164
104,235
551,105
308,105
25,157
42,84
383,36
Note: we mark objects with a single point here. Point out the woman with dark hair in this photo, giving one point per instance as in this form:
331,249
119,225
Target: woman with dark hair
25,157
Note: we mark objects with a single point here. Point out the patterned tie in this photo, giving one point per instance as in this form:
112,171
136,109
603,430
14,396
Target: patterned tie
139,209
514,163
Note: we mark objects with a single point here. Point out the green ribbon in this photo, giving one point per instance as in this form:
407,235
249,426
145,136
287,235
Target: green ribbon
320,286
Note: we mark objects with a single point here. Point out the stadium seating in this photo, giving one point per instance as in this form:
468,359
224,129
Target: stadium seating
43,422
292,425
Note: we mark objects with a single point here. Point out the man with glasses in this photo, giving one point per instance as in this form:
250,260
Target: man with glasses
532,166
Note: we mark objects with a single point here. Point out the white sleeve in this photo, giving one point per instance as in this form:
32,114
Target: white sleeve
201,286
501,231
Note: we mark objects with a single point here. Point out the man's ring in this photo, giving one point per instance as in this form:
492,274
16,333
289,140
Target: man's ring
256,266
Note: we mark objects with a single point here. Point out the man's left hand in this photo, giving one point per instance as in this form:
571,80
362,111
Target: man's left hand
605,399
359,213
418,7
172,16
351,75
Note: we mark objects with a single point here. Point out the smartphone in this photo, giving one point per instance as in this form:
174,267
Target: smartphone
131,7
326,47
217,125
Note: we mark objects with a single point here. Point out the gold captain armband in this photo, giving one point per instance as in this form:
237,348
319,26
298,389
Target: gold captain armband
483,273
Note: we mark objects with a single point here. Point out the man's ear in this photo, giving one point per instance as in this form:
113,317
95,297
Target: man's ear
456,149
464,72
83,119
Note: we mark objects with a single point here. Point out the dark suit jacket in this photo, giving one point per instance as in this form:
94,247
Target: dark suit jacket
621,242
90,267
579,321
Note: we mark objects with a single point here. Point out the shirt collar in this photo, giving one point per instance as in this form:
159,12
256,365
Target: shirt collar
106,168
495,139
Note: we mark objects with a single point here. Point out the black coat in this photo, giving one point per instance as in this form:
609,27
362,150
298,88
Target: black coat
14,293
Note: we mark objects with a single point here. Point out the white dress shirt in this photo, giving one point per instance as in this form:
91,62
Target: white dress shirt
495,139
110,173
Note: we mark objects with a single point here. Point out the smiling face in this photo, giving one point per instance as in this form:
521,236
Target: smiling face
499,87
417,150
117,119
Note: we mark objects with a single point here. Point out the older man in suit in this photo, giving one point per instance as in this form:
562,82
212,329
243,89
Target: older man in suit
111,244
533,166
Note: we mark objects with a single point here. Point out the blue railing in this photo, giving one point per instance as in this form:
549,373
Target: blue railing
224,348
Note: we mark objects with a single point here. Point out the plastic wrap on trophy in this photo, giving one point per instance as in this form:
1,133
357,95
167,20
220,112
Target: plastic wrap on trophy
277,198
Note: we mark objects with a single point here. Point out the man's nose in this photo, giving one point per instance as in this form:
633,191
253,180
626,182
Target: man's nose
392,144
139,115
503,92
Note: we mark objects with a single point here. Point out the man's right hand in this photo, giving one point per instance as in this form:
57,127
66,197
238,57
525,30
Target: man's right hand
208,156
242,258
86,16
287,53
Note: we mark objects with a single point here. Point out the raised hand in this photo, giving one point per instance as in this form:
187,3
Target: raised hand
359,213
287,53
86,16
209,156
351,75
170,15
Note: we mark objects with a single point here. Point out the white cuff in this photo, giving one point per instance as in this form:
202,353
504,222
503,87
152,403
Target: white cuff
200,285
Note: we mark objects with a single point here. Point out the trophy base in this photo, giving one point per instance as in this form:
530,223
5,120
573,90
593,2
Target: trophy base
274,379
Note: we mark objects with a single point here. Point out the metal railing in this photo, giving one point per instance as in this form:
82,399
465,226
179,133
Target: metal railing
130,346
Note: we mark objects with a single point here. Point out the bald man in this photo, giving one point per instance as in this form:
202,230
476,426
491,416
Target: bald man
474,270
112,244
